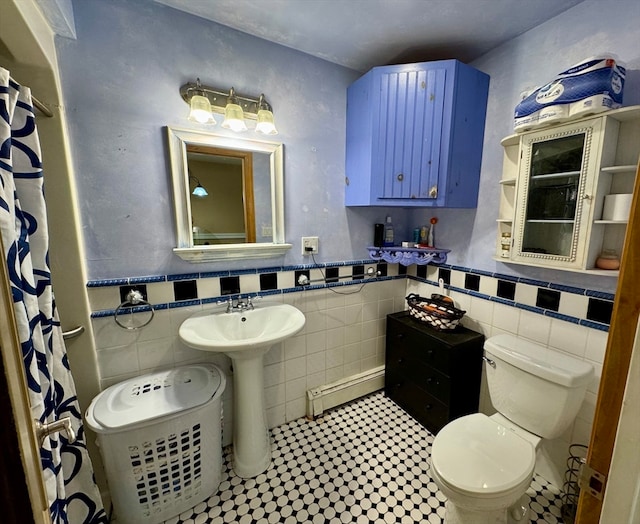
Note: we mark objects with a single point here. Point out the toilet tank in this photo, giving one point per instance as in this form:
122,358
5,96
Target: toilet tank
539,389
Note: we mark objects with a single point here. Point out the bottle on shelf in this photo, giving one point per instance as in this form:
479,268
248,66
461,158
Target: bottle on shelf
505,243
388,232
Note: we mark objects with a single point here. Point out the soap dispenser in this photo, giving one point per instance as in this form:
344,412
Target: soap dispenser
388,232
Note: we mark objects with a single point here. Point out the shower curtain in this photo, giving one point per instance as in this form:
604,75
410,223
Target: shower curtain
66,467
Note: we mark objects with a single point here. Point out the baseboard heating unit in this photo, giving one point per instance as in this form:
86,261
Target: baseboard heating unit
350,388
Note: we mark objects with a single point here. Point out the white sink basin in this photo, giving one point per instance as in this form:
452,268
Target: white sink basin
261,327
245,336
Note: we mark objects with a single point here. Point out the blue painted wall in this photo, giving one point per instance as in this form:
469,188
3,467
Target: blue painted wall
121,79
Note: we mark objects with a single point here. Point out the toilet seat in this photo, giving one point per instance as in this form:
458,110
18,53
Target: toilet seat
478,457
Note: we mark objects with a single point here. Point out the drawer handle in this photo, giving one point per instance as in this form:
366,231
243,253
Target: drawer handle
428,407
400,361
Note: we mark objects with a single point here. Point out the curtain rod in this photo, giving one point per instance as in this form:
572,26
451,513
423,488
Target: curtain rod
39,105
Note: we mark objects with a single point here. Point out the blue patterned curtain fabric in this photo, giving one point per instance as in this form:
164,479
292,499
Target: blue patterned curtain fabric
66,467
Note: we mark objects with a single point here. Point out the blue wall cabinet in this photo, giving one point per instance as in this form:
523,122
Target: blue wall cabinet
414,135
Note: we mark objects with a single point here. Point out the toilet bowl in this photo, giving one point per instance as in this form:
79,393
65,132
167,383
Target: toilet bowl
484,465
484,470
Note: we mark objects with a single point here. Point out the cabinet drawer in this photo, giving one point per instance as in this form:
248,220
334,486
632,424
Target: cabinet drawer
425,408
426,377
409,344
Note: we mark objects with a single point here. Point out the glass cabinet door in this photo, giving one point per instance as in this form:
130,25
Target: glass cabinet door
555,194
554,179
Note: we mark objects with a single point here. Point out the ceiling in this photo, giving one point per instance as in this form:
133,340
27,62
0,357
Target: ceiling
360,34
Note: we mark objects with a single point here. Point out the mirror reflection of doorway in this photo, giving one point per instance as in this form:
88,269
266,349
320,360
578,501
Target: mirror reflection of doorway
227,214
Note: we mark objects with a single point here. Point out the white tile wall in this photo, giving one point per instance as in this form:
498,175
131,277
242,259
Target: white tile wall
344,334
339,339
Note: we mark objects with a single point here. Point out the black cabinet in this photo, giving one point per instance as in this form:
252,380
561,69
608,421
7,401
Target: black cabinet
433,375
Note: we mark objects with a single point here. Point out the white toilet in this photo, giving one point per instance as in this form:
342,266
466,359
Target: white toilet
484,465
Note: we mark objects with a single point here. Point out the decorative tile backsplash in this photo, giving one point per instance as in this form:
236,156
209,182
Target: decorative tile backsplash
576,305
345,332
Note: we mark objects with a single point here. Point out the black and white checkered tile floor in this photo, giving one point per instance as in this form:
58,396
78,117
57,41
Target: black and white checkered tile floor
367,461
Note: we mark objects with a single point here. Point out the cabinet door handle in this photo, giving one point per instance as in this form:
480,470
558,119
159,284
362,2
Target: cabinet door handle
428,407
400,361
400,177
433,192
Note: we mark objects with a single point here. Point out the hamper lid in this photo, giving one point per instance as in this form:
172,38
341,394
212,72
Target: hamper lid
155,395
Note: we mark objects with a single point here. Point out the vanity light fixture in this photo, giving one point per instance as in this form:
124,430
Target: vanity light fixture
199,190
265,123
200,106
236,108
233,114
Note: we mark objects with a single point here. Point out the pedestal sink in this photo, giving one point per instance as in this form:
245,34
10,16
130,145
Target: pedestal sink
245,335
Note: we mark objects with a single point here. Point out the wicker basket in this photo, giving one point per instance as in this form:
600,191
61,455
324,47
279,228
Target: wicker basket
437,311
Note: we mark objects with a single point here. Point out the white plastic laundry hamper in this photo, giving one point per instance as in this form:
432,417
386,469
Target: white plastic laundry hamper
160,439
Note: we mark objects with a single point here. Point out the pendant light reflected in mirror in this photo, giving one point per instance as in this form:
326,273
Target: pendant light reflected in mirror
198,191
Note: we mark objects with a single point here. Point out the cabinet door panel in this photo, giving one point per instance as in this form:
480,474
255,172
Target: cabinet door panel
555,194
410,133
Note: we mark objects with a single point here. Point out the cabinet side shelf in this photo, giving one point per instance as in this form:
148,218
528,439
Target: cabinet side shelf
594,272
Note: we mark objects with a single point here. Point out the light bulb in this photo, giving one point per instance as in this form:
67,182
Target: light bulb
201,110
234,118
265,123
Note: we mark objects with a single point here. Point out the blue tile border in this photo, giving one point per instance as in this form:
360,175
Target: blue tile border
184,276
276,269
237,272
504,301
147,280
152,279
532,282
594,325
508,278
600,294
560,316
568,289
108,282
214,274
185,303
533,309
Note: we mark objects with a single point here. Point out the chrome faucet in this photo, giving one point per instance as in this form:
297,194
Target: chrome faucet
241,305
244,305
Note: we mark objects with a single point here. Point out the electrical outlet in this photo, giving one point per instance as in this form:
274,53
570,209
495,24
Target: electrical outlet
309,245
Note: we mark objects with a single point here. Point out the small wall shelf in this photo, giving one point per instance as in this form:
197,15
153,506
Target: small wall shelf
409,255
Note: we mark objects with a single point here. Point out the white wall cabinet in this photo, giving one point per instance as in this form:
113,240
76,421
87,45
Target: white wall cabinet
553,188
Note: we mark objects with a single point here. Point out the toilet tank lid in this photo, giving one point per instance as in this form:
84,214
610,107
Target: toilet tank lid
549,364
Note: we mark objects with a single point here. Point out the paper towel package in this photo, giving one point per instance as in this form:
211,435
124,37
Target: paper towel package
592,86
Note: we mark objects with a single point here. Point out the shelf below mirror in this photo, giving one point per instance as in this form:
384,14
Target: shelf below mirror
409,255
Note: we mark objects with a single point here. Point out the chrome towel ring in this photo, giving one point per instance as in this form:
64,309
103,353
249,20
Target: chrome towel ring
133,298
